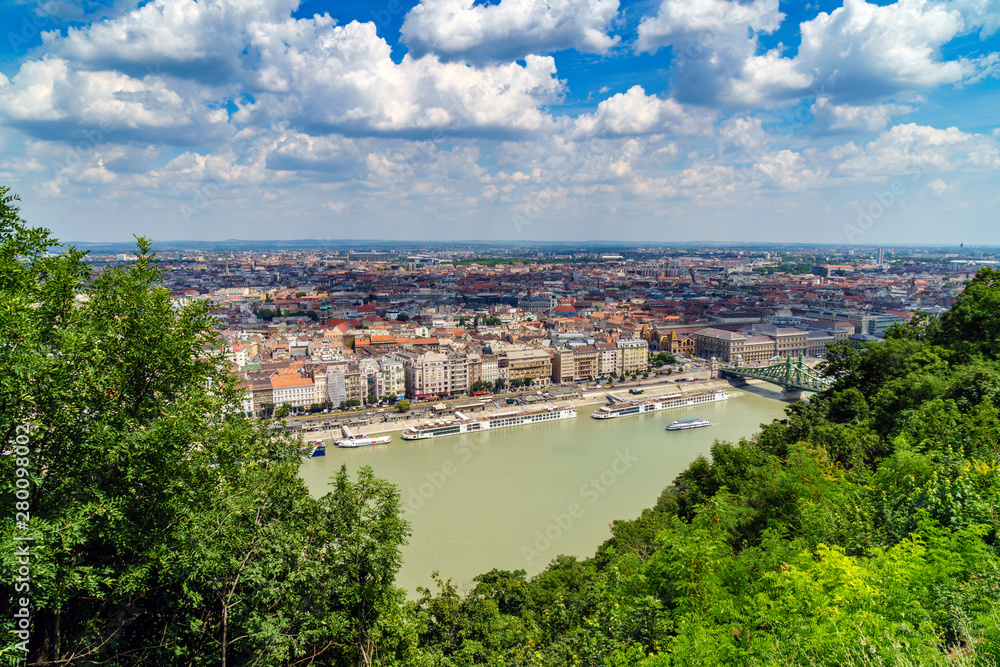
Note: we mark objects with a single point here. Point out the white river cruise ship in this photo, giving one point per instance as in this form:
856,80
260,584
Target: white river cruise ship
627,408
462,424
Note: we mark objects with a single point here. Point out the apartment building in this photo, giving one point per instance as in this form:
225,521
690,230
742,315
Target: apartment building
586,362
607,359
293,389
427,374
562,366
371,380
262,394
491,368
539,303
633,356
343,381
237,354
458,371
535,365
320,393
475,367
393,377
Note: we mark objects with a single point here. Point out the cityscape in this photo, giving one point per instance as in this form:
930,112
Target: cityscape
307,328
501,333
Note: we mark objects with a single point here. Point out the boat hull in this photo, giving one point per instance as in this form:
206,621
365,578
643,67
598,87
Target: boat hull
494,422
350,443
659,403
688,424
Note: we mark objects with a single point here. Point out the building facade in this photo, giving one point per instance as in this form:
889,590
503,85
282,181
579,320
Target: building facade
534,365
633,356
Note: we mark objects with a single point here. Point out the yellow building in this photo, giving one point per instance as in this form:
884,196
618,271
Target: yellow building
535,365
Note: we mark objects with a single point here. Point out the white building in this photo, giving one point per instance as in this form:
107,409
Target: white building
393,377
295,390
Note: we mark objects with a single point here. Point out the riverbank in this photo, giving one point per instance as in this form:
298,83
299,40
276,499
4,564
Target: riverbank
588,398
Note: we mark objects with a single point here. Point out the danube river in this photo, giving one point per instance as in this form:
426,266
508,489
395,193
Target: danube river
516,498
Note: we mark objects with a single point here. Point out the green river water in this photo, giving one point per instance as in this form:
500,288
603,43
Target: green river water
518,497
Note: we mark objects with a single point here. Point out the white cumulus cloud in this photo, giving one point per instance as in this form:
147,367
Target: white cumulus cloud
511,29
716,59
635,113
851,118
862,51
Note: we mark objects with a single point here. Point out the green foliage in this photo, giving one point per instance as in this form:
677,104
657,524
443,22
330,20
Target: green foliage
663,359
972,325
860,529
168,528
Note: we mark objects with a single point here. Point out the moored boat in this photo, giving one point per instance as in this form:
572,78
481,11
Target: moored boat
362,441
654,404
462,424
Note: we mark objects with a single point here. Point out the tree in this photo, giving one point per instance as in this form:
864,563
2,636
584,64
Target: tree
403,405
663,358
499,384
972,325
282,411
153,502
361,541
402,317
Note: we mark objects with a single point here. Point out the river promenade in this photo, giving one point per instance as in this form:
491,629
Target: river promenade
595,396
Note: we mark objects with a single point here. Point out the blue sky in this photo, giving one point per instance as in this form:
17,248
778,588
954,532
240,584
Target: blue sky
661,120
